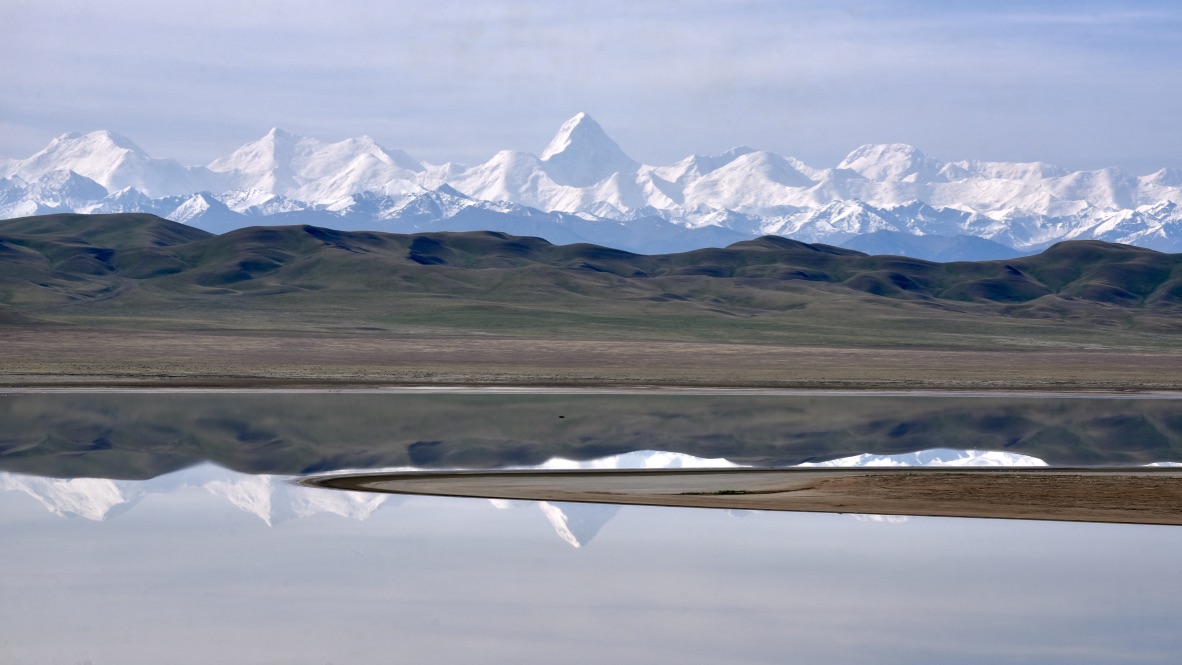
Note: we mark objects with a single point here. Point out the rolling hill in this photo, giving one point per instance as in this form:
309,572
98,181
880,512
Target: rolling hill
62,266
75,290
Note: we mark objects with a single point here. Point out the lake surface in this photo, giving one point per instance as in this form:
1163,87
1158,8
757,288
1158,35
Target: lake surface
129,539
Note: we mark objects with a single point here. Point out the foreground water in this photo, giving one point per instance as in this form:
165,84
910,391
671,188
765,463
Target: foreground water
202,564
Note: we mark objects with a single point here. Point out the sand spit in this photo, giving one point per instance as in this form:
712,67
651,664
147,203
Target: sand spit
1133,496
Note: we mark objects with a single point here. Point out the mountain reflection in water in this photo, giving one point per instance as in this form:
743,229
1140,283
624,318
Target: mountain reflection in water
195,576
191,545
277,499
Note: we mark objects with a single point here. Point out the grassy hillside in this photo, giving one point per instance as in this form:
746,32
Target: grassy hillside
141,272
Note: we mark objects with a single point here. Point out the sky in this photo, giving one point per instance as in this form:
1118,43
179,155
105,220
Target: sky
1078,84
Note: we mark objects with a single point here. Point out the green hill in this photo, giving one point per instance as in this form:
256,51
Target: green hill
137,270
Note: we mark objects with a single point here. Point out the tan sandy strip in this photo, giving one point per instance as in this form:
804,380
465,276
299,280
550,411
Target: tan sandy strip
1134,496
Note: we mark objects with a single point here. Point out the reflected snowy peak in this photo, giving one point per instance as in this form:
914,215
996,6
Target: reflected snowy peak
642,459
577,523
91,498
882,519
935,457
273,499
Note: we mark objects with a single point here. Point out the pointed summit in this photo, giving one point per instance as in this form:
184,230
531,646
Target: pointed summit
581,127
447,190
264,164
582,154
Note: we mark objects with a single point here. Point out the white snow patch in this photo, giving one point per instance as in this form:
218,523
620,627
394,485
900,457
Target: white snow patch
641,459
934,457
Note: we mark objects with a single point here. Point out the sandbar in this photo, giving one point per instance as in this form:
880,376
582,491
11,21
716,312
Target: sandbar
1128,496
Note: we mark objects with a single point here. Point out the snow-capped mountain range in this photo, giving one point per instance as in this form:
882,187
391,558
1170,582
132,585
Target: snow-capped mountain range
584,187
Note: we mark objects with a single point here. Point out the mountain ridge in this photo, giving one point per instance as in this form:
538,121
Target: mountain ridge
583,172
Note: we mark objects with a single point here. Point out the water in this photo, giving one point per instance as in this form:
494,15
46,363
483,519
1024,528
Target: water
143,435
201,564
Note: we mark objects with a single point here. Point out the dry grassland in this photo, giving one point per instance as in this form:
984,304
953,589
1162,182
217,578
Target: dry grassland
90,356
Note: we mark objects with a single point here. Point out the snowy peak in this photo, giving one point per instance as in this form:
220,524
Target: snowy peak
102,140
285,164
128,199
582,154
888,162
364,145
452,192
114,162
1164,178
771,166
66,189
97,155
584,172
696,166
438,204
581,129
193,208
842,220
263,164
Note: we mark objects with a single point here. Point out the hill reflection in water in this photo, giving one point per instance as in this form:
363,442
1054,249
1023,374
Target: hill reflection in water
144,435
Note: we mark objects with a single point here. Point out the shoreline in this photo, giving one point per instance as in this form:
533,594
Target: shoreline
101,387
213,385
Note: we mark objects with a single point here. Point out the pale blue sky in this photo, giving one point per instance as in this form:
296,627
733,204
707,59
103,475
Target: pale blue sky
1080,84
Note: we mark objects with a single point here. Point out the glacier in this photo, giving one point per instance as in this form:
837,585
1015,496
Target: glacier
583,187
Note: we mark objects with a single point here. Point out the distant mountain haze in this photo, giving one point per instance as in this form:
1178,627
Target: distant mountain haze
583,187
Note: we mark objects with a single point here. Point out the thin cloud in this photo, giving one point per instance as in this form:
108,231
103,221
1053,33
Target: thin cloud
457,81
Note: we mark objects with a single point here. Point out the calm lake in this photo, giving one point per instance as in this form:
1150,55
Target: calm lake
149,528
